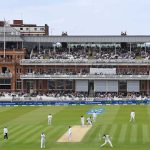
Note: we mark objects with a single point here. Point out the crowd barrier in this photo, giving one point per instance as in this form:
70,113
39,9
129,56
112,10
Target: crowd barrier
66,103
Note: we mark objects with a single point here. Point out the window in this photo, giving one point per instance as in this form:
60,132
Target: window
27,29
41,29
21,28
5,86
69,84
51,84
5,82
18,84
60,84
122,86
30,70
35,29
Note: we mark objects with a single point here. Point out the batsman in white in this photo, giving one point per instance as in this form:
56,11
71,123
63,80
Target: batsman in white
89,121
49,119
69,133
43,138
107,140
132,115
82,121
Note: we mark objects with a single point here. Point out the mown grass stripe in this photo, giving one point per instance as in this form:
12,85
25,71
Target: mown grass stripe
113,130
20,132
133,135
145,133
12,129
2,128
139,134
28,134
106,130
51,136
102,130
90,133
122,135
93,132
116,134
37,135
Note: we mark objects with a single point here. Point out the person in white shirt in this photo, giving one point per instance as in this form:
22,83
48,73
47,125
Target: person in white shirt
94,116
49,119
5,133
43,137
82,121
132,115
70,133
107,140
89,121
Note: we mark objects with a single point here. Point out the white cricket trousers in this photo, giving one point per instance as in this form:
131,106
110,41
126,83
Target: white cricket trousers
49,121
132,118
42,143
109,142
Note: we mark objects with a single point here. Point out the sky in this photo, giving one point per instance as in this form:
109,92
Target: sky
82,17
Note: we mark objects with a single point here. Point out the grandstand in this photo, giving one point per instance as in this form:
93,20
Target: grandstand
75,66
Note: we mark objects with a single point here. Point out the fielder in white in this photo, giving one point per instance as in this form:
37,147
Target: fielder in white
49,119
82,121
43,138
107,140
94,116
89,121
69,133
132,116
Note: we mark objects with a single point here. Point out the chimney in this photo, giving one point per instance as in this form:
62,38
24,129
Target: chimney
18,22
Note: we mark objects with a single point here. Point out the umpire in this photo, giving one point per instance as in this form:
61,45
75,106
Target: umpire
5,133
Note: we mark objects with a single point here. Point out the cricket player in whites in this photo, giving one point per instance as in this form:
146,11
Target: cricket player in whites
5,133
107,140
89,121
82,121
94,116
49,119
43,140
69,133
132,115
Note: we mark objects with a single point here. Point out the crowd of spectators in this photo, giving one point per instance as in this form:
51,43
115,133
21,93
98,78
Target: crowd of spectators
81,52
87,72
71,96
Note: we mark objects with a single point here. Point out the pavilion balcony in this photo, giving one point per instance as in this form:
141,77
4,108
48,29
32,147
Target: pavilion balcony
5,75
85,77
83,62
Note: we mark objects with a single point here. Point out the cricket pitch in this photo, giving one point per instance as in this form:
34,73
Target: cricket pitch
78,133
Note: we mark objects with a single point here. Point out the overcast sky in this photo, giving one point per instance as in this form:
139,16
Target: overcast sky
82,17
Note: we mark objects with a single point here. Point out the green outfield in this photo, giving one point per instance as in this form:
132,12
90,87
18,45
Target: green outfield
25,125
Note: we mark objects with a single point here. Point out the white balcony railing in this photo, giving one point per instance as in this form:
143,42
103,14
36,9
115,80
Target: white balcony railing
5,75
84,62
88,77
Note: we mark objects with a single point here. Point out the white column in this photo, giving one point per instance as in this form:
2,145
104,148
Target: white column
22,86
22,45
130,48
39,46
145,47
54,47
100,47
69,47
115,49
84,47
